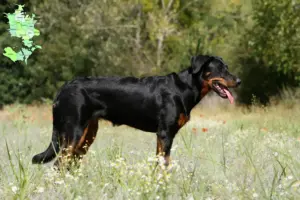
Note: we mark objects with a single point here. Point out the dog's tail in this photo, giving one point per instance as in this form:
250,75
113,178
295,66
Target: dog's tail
50,153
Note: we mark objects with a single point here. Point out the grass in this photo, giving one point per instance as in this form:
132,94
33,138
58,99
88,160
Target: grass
222,153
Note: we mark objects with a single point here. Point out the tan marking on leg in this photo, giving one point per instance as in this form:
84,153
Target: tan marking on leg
159,147
64,158
87,138
73,153
160,152
81,141
167,160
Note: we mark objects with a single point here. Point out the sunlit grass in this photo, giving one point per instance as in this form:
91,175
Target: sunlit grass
222,153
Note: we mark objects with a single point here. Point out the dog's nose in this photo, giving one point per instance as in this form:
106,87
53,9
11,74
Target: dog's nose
238,81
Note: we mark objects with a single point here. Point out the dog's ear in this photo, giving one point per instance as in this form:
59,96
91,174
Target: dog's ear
198,62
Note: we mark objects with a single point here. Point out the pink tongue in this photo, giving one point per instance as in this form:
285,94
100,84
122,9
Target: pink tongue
230,97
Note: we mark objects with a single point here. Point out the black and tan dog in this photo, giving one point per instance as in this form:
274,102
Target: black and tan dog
159,104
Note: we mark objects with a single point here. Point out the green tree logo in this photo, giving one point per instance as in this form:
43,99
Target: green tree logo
21,26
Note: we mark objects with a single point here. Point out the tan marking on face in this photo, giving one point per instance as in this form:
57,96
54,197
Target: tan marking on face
223,82
231,84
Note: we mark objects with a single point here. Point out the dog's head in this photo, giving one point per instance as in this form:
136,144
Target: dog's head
212,72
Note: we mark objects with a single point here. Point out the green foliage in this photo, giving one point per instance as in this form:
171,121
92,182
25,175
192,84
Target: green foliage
146,37
277,34
270,50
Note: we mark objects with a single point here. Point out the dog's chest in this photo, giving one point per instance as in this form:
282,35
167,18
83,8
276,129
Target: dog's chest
183,119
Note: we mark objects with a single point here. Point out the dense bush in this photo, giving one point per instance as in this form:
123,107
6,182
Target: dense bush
270,50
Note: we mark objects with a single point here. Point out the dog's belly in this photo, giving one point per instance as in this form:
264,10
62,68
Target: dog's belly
141,122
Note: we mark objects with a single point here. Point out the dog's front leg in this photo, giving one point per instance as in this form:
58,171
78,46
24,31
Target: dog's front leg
164,144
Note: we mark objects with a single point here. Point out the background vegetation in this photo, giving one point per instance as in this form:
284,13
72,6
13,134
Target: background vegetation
229,153
258,39
223,152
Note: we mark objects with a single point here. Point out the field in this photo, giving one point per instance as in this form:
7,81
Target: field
222,153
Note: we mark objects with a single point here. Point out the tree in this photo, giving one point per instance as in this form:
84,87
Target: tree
270,51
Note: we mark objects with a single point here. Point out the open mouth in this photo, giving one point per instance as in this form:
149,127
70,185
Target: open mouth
223,92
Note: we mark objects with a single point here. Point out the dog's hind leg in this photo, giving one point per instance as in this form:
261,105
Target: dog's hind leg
77,145
87,139
70,139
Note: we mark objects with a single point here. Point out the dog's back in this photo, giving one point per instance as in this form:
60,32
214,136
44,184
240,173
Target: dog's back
127,100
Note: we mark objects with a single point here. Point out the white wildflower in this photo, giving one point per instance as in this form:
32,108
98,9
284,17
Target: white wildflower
92,152
131,173
159,176
161,160
14,189
76,178
68,175
59,182
40,189
255,195
297,184
105,185
78,198
151,159
113,164
121,159
191,197
290,177
174,148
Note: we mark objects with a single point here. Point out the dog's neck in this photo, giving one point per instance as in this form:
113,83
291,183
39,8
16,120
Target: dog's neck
198,89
